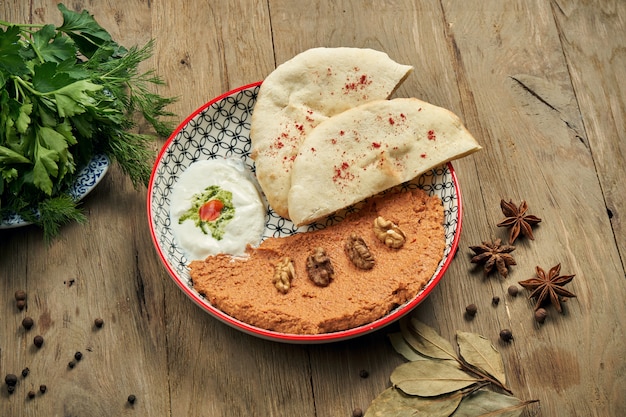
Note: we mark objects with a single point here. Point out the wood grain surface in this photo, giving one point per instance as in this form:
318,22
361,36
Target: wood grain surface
538,82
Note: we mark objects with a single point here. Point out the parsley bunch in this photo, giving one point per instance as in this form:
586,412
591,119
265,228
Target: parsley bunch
66,94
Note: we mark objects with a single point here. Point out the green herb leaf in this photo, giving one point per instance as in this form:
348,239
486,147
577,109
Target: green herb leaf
51,46
45,167
46,78
23,120
57,142
394,403
430,378
480,352
84,30
8,156
491,404
11,60
73,69
78,93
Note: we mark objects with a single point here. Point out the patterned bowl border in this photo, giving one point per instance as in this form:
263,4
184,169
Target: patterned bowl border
220,129
86,180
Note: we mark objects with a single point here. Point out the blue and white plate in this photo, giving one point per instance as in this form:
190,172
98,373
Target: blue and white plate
221,129
88,177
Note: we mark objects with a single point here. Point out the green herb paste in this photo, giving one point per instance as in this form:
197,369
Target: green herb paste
215,227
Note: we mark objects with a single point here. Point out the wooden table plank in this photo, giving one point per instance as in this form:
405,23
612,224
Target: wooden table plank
209,48
593,40
531,148
95,270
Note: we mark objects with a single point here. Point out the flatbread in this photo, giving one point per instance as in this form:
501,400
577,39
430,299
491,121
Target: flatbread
303,92
368,149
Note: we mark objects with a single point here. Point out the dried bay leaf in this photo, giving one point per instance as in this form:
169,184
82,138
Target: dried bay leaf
394,403
401,346
480,353
430,378
490,404
426,340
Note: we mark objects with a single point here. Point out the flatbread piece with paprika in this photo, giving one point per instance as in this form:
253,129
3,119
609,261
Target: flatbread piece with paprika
368,149
303,92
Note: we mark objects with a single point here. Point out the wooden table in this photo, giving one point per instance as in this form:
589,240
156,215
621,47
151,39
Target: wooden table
541,86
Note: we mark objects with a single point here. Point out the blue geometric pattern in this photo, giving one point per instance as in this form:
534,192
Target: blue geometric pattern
221,129
86,179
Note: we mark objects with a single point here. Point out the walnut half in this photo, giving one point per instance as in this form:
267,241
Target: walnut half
319,267
358,252
389,233
283,274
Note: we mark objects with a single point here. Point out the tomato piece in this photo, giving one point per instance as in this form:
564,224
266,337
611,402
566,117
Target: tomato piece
210,210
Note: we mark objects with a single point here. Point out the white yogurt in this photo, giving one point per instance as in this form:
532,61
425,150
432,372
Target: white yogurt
246,227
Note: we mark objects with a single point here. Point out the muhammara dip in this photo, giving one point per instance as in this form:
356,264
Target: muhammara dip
243,288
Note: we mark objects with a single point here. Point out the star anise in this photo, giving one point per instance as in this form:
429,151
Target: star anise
494,254
517,220
548,287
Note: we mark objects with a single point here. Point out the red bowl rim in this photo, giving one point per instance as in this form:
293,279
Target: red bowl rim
288,337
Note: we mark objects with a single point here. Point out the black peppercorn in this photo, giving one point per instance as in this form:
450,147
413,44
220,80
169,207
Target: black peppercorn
471,310
357,412
25,372
540,315
10,379
132,399
20,304
78,356
28,323
38,341
513,290
363,373
11,389
98,322
31,394
71,364
43,389
506,335
20,295
495,300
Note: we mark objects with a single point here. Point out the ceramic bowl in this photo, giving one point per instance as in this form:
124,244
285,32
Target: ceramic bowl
220,129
